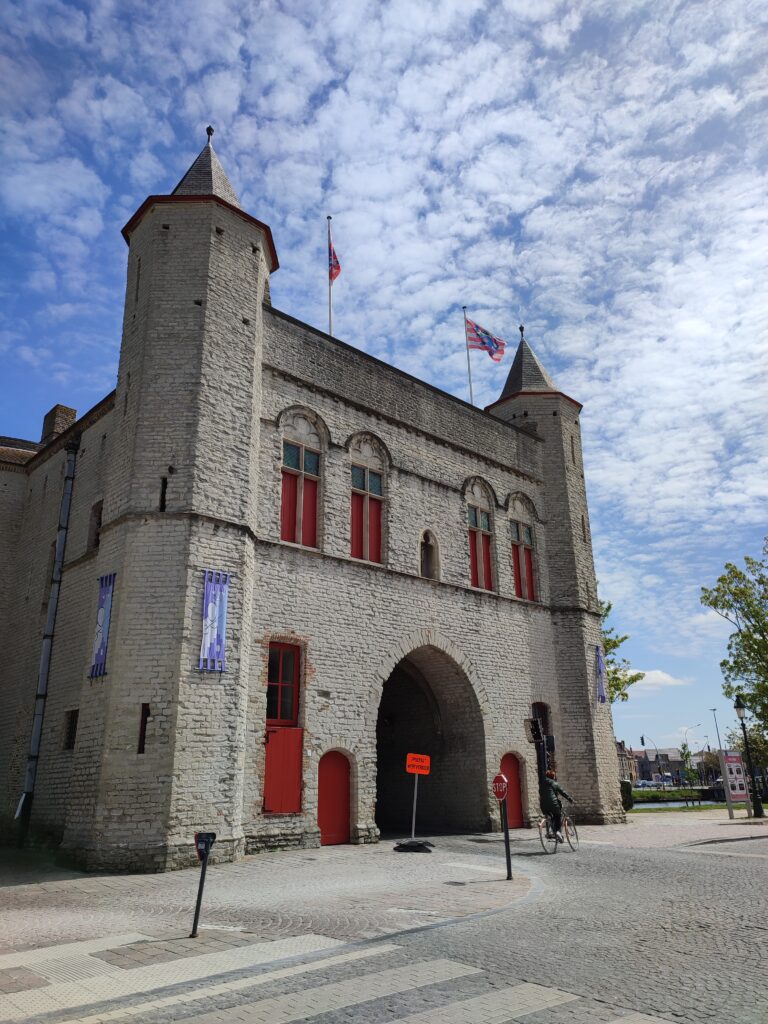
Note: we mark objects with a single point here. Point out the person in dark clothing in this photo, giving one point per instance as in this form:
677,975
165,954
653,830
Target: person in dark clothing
549,800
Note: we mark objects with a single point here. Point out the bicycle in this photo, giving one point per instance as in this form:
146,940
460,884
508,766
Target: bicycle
548,838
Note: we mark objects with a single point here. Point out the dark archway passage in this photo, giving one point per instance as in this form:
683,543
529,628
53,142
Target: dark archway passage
428,706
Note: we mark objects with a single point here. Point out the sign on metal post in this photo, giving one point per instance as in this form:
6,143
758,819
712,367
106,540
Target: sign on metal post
415,765
203,843
500,789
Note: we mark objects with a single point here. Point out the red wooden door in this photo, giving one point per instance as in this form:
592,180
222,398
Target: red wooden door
333,798
510,766
282,770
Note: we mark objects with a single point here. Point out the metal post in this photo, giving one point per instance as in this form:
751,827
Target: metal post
413,816
193,933
469,365
757,803
505,824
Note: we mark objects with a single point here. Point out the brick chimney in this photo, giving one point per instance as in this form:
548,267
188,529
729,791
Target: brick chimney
56,422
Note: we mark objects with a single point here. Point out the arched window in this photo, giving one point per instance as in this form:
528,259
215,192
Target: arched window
540,712
523,547
367,483
480,530
302,448
428,557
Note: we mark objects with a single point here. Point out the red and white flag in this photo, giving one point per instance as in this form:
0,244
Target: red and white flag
334,267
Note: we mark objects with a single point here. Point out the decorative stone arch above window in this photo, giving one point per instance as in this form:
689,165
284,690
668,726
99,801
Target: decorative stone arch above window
368,450
304,426
522,508
479,492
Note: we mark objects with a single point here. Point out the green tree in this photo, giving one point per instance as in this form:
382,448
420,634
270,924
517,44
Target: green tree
689,773
618,672
741,597
758,744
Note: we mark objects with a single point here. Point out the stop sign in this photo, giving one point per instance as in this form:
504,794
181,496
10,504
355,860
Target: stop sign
499,786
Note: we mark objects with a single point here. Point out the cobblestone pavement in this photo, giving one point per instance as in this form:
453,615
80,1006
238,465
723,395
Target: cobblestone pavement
662,919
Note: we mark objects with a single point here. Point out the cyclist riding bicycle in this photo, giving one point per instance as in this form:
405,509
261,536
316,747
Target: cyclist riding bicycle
549,801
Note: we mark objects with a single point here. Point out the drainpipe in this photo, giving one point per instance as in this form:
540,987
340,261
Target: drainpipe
24,809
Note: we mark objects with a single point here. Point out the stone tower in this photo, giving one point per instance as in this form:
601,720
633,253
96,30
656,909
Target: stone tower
531,399
180,498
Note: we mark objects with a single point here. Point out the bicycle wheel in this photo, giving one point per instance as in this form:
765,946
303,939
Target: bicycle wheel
571,835
547,837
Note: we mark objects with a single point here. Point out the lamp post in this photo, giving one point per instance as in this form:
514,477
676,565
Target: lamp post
741,710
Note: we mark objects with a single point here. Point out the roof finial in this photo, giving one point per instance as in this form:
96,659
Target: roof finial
522,332
209,133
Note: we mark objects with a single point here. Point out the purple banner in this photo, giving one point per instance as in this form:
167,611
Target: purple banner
103,616
600,673
213,656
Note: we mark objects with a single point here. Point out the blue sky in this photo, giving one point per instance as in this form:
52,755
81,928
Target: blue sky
596,170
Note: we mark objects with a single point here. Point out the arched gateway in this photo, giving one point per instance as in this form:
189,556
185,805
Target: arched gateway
428,706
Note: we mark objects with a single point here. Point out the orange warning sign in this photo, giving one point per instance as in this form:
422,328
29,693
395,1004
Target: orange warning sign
417,764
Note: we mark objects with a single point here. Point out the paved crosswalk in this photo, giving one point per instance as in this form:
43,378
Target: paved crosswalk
100,992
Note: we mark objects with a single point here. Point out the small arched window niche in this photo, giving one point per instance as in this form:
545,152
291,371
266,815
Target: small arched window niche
302,450
429,556
480,531
368,462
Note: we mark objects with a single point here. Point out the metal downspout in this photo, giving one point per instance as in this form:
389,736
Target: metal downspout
24,809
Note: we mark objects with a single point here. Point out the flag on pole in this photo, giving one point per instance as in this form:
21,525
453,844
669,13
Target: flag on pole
334,267
600,673
478,337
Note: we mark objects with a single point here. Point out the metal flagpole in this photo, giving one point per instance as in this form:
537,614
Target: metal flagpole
330,281
469,367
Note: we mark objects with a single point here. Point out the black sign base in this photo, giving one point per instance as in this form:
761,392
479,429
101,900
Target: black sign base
414,846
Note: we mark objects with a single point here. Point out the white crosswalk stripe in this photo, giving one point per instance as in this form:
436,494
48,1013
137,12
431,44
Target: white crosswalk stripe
303,1005
68,995
225,987
501,1005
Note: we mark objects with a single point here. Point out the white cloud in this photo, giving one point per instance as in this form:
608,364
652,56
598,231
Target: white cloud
655,679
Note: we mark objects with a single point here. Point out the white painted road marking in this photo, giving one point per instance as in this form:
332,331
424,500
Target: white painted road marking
338,995
31,957
502,1005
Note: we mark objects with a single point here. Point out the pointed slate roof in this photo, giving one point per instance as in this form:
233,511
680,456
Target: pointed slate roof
206,177
527,373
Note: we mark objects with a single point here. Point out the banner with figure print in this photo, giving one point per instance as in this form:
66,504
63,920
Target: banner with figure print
600,673
103,615
212,650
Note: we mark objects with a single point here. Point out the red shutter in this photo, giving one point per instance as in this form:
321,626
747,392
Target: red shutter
358,501
288,507
473,577
309,514
487,574
374,530
529,584
516,567
282,770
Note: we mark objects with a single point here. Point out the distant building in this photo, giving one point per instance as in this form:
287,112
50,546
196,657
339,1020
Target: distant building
241,588
627,762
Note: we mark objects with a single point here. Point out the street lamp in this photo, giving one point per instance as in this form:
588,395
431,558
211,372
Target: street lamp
658,758
741,710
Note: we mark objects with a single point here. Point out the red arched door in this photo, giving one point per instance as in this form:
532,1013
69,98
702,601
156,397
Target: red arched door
510,766
333,798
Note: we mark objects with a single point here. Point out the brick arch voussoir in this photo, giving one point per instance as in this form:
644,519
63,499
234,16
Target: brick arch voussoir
409,645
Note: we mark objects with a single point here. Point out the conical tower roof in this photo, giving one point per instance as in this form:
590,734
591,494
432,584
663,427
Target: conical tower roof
527,373
206,177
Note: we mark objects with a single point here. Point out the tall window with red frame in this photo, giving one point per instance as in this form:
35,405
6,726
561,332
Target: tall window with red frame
480,562
366,514
301,486
283,685
523,563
